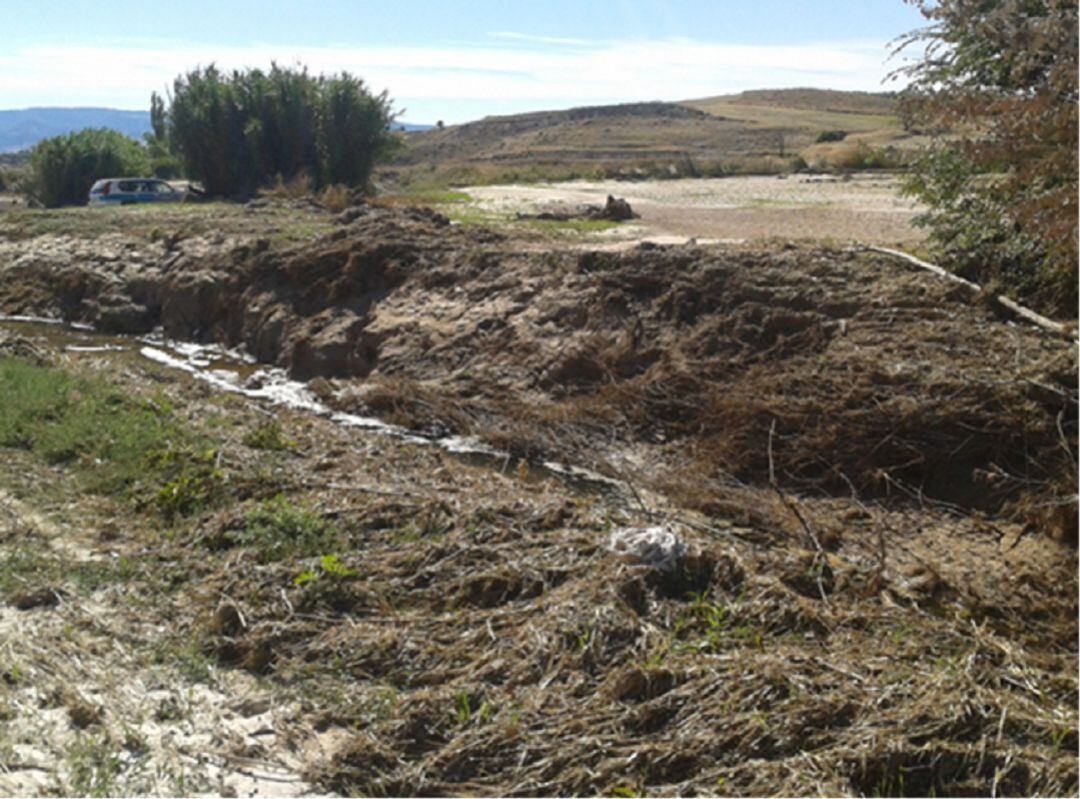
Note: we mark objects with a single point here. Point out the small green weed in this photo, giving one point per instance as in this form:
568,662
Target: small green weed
463,703
712,622
269,437
330,569
94,767
467,712
193,480
278,529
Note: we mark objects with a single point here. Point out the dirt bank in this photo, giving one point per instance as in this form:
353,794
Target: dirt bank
661,364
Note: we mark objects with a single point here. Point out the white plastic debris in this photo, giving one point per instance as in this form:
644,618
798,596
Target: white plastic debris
658,547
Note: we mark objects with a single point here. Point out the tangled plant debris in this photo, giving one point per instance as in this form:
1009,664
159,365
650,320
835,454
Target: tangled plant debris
841,566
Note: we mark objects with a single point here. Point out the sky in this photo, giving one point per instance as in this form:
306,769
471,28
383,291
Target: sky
455,60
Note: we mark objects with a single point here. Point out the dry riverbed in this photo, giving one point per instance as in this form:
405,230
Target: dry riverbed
865,208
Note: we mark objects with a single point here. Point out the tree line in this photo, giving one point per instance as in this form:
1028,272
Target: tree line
234,132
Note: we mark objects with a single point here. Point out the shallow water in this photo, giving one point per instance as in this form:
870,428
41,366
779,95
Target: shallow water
236,372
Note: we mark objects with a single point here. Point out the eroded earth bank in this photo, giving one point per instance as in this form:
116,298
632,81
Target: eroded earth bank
865,583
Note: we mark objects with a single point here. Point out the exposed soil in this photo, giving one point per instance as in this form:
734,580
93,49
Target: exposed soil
865,208
871,480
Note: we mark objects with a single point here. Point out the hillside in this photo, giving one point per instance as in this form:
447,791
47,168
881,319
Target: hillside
21,129
634,139
752,132
807,111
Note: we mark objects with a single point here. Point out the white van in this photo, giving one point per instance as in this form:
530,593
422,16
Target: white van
130,191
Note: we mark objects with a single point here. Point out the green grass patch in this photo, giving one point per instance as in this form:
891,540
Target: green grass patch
32,568
435,196
570,225
277,529
113,443
87,423
95,765
471,215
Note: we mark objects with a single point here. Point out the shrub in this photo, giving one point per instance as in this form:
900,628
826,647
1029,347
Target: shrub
63,168
1002,187
277,529
852,155
831,135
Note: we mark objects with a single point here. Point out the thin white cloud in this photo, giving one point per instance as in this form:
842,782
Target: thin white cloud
456,81
528,37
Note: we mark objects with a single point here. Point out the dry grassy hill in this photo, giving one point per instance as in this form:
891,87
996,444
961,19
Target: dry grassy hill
807,111
752,132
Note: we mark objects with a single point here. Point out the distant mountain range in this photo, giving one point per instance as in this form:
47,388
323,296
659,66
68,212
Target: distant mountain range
23,128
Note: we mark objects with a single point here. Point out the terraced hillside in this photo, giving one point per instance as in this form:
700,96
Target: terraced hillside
752,132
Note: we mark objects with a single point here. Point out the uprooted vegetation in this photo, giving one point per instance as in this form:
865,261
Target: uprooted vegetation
867,470
671,366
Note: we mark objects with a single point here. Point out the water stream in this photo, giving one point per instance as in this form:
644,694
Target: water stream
234,371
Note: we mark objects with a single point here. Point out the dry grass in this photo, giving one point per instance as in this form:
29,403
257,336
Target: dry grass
298,187
335,198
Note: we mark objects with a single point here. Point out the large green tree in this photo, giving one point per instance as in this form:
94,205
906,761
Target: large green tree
238,131
997,85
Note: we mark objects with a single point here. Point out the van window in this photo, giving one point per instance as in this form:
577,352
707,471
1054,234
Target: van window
128,185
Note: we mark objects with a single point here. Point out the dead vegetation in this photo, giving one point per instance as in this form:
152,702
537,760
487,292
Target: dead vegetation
872,479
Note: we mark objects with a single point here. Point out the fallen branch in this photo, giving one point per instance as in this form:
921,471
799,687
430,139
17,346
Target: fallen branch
1024,313
819,554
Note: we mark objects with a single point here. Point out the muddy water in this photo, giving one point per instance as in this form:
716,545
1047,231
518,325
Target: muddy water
236,372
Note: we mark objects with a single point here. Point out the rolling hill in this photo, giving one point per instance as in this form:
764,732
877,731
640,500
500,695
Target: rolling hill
755,131
805,109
